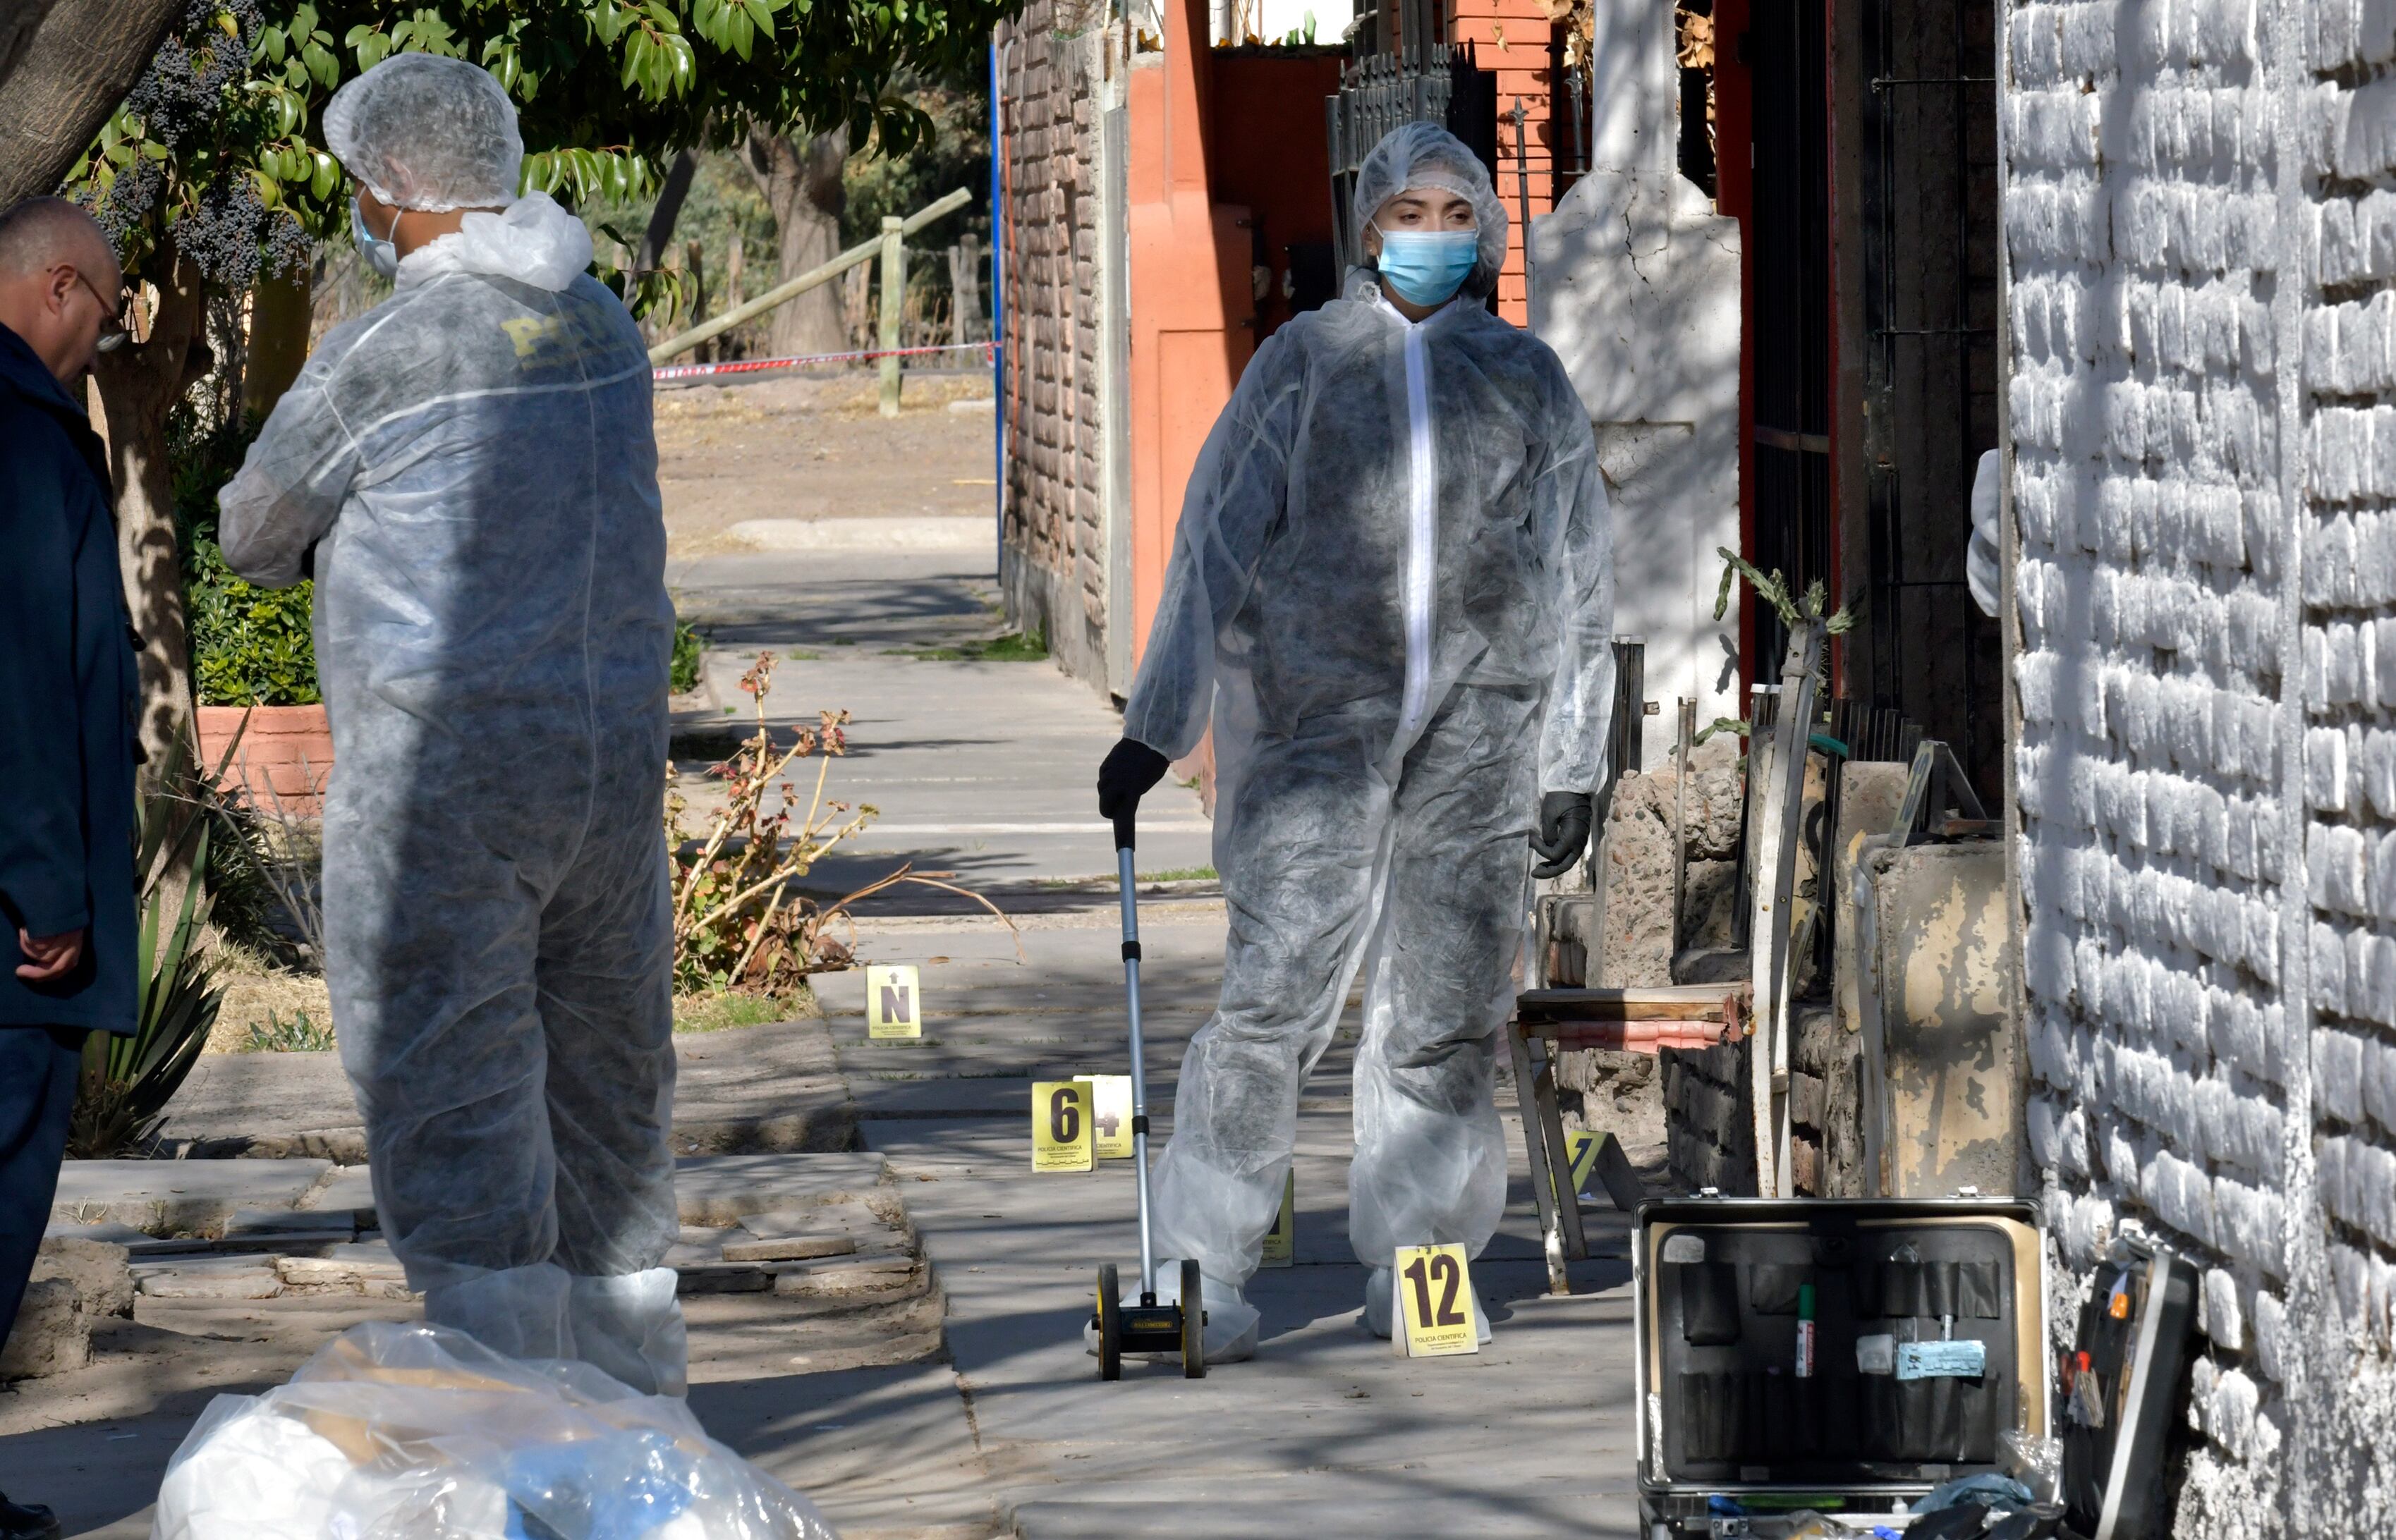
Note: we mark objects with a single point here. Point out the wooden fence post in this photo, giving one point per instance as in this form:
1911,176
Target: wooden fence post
894,298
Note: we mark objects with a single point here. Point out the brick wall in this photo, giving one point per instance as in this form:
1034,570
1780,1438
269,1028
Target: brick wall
1053,564
1510,39
2202,418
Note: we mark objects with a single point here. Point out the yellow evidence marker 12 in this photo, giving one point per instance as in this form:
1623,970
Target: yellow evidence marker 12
1281,1241
894,1002
1109,1115
1434,1287
1060,1126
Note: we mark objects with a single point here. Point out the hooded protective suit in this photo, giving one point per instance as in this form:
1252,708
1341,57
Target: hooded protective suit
1391,593
473,468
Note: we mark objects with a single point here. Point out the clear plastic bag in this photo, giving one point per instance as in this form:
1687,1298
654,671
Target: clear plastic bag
2036,1463
415,1432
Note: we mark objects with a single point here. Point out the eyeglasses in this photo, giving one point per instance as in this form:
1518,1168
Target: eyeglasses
112,330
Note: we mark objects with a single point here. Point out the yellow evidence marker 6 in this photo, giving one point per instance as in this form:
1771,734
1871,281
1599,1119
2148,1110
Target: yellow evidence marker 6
1060,1126
894,1002
1109,1115
1435,1304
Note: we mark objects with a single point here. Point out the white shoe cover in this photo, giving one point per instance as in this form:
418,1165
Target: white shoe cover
1230,1319
1378,1306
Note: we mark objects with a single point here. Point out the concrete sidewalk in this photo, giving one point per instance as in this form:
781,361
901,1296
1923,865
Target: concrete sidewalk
985,769
1326,1433
988,770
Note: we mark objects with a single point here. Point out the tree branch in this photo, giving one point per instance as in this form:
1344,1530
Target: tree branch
70,73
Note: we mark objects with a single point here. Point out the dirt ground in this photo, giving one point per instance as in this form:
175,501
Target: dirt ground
815,446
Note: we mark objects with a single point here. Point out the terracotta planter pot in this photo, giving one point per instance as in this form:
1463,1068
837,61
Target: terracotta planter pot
284,758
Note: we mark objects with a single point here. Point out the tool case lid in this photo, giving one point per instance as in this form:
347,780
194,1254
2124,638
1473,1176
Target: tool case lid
1907,1296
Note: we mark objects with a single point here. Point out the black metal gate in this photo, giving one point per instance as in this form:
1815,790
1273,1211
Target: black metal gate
1420,80
1790,307
1930,365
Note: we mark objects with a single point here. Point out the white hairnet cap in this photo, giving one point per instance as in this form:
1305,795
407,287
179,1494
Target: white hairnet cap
1424,154
429,133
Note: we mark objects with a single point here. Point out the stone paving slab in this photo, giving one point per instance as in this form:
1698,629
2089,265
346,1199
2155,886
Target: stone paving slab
1246,1509
178,1197
1069,972
880,1450
345,1189
723,1190
772,1087
1534,1429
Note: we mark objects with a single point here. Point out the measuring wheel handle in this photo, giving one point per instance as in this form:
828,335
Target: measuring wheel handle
1193,1323
1109,1323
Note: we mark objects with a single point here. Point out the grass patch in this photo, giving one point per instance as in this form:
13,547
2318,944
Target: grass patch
712,1011
1171,874
1030,646
297,1033
258,992
683,672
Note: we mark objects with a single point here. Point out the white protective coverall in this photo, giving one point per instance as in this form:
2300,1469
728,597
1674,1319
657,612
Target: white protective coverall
1392,594
471,466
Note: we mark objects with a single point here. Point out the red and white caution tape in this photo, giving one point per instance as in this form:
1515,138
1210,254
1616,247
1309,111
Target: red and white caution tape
753,366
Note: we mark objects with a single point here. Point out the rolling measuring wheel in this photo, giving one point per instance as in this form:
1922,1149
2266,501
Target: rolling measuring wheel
1193,1323
1109,1320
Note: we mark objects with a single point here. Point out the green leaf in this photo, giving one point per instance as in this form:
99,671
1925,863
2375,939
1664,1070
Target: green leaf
326,175
321,66
270,44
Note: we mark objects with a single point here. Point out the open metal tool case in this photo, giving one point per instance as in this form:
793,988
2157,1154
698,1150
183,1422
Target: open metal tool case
1720,1286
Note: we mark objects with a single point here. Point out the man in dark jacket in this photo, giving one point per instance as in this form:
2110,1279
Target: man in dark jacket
67,695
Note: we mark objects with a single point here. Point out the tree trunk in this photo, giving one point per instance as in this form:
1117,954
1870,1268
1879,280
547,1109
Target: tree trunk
70,73
280,309
803,189
658,236
18,20
139,385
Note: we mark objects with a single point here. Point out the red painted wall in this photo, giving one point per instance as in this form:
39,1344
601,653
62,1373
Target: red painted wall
1271,154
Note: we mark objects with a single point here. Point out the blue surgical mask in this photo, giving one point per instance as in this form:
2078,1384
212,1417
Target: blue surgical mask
1427,266
378,251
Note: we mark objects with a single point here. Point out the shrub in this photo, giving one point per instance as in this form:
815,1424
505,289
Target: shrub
688,646
250,646
741,922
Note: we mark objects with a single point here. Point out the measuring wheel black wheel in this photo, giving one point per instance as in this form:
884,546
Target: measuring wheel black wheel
1193,1323
1109,1320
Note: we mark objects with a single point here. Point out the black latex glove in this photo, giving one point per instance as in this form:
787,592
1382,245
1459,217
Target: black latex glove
1131,768
1563,829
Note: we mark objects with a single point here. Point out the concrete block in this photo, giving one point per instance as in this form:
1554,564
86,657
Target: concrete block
98,1270
347,1189
366,1268
52,1335
722,1189
178,1197
210,1277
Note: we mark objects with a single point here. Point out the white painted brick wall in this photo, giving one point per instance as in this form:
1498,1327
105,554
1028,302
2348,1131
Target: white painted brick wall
2199,243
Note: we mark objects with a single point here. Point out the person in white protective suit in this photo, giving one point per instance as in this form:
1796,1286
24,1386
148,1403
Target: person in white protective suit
469,469
1392,594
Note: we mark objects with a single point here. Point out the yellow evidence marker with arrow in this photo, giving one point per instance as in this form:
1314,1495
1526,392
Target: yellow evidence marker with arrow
894,1002
1109,1115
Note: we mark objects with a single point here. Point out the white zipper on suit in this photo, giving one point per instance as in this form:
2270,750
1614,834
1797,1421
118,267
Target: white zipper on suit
1422,529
